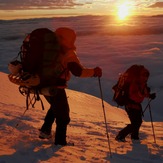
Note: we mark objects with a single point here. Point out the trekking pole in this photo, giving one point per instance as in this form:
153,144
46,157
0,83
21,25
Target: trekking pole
104,117
152,124
147,106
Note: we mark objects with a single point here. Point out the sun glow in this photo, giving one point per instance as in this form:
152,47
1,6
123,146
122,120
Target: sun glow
123,11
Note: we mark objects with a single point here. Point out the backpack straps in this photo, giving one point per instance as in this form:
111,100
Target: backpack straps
25,91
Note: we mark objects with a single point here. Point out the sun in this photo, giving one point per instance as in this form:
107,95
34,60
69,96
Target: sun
123,11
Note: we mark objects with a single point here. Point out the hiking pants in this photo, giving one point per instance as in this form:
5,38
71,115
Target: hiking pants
59,111
135,116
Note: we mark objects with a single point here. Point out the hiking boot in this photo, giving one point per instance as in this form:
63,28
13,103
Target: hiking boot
44,135
120,139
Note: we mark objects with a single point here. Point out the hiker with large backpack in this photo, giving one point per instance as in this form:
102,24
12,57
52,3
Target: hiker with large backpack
130,92
59,108
46,61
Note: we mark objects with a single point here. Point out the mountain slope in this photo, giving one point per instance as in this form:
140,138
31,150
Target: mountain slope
86,129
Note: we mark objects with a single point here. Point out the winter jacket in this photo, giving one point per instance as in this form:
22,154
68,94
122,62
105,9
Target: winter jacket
69,59
138,92
71,63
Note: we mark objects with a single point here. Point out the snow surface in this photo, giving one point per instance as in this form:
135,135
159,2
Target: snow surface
87,130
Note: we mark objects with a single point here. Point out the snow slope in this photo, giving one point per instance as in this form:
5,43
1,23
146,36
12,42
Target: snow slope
87,130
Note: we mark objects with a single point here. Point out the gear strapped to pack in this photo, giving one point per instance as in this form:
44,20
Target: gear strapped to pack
38,63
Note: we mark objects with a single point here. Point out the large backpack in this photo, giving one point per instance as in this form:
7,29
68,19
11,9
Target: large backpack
38,63
121,88
40,57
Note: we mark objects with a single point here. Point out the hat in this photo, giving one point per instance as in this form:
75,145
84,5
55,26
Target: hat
66,36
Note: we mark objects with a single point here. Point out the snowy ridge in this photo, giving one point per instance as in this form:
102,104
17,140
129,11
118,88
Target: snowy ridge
86,130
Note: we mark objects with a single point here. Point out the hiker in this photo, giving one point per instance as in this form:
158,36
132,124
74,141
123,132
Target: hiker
59,108
138,90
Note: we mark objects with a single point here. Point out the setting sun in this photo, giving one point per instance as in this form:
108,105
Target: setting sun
123,11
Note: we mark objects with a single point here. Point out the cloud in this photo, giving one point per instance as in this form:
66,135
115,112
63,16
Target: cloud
157,4
152,51
37,4
65,4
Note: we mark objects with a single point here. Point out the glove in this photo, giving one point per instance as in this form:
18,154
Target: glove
152,96
97,72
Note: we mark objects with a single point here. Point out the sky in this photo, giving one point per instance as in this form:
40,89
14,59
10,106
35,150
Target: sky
13,9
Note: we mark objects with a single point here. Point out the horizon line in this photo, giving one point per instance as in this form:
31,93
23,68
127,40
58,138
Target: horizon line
50,16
